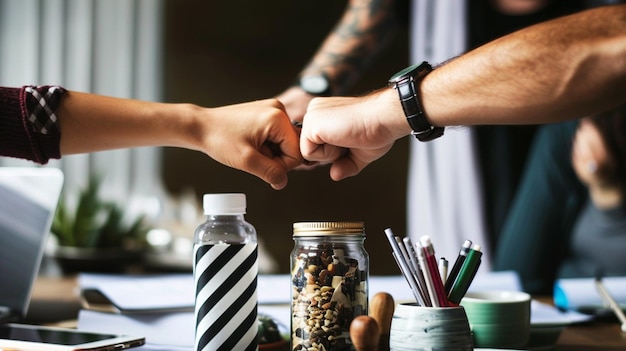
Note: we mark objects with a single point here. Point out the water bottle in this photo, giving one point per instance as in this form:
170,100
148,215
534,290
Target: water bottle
225,274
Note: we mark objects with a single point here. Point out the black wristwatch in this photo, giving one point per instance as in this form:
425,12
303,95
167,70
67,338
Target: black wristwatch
405,83
317,85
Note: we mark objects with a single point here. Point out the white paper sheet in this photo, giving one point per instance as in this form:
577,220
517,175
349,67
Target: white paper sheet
175,330
171,291
143,293
544,315
581,293
165,329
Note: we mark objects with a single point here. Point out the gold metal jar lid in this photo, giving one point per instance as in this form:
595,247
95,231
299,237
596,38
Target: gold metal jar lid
328,228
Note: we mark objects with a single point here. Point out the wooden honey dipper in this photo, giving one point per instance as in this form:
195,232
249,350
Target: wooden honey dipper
371,333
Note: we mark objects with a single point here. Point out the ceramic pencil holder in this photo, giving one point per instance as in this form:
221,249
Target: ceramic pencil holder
414,328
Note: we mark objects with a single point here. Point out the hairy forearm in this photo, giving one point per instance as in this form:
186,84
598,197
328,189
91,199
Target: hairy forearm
92,123
363,31
561,69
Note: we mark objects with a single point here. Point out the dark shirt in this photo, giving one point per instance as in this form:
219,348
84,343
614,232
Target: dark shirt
598,244
503,150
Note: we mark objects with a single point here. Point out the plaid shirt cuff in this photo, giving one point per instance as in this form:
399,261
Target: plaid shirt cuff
41,104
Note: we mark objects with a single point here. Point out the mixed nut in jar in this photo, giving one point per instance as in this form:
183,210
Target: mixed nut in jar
329,270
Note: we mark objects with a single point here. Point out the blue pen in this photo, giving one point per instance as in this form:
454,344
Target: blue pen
454,272
466,275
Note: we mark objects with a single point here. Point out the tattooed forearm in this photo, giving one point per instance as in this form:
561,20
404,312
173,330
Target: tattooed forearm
364,29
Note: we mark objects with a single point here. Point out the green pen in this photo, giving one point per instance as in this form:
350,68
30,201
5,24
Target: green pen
466,275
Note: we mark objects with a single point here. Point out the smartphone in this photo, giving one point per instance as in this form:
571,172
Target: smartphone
33,337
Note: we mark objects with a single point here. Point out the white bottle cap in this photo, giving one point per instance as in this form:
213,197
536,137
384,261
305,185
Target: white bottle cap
224,204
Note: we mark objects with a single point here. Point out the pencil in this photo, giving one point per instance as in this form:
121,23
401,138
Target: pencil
609,300
402,264
418,271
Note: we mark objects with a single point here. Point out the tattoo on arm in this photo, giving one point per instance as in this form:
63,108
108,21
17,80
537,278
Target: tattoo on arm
363,31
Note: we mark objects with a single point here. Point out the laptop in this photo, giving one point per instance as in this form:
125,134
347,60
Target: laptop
28,201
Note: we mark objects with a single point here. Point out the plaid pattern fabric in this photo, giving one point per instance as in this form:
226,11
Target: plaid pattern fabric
41,104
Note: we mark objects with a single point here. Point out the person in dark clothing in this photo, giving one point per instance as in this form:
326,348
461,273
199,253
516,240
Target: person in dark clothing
569,216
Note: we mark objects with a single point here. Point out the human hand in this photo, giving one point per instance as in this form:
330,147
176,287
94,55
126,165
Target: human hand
256,137
590,158
296,101
352,132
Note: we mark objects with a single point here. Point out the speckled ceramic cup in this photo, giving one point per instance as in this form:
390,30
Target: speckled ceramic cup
416,328
498,319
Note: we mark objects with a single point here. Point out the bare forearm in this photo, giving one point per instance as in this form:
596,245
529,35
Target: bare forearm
94,123
558,70
365,28
562,69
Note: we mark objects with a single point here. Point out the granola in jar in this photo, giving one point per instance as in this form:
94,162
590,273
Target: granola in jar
329,284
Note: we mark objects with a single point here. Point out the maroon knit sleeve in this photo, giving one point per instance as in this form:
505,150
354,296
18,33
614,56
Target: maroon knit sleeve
28,124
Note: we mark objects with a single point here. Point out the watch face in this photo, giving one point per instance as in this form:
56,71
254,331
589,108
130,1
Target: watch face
410,71
314,84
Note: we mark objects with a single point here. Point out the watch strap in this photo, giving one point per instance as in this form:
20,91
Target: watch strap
406,87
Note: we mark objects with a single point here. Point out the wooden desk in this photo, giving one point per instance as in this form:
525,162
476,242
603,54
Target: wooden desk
593,336
55,300
58,299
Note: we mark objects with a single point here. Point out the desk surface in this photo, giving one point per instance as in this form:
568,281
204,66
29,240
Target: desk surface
57,300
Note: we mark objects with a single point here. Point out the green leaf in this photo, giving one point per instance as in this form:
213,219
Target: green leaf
95,223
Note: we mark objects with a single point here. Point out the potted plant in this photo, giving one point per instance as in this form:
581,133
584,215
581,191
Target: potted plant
96,236
270,335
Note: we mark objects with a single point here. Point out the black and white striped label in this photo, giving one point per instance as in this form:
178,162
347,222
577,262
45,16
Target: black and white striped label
226,298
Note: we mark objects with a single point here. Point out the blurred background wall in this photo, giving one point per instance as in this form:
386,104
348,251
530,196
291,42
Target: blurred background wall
225,52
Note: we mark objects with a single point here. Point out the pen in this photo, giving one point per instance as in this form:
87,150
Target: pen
404,268
609,300
466,275
421,282
409,264
443,269
430,287
409,261
457,265
429,251
407,277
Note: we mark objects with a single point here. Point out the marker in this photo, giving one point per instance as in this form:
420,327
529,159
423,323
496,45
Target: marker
431,260
404,268
609,300
466,275
457,265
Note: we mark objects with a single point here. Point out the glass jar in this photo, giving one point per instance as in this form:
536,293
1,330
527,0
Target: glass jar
329,272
